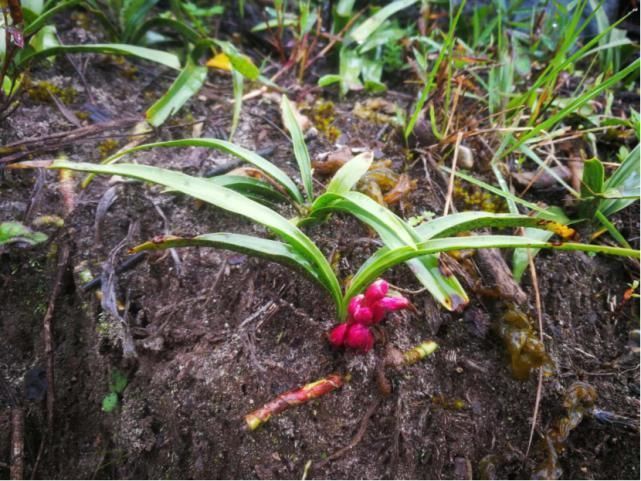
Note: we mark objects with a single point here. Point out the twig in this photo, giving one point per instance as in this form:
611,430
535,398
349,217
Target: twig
24,148
450,186
47,325
358,437
539,388
16,470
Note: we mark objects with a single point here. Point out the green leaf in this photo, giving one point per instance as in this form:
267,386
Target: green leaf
229,200
300,149
242,63
133,14
344,8
429,83
385,258
158,56
365,29
110,402
118,382
626,179
246,155
188,84
181,28
269,249
237,84
254,188
349,174
574,105
593,178
329,79
452,224
394,232
11,232
45,38
42,19
521,257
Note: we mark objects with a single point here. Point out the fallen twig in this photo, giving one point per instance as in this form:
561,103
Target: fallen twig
16,470
47,326
539,387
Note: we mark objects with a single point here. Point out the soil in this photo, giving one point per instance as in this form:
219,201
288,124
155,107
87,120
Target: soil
217,334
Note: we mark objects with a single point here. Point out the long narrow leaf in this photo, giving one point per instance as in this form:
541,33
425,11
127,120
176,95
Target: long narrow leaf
466,221
394,232
237,85
365,29
188,84
349,174
229,200
391,257
246,155
627,180
269,249
300,149
150,54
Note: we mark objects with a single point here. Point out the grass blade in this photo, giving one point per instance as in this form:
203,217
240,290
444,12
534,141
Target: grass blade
625,179
237,84
300,149
365,29
188,84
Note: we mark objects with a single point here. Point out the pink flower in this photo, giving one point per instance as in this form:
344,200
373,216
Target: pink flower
363,311
337,335
377,290
393,303
359,337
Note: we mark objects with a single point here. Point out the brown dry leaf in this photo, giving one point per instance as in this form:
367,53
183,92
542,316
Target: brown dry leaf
335,160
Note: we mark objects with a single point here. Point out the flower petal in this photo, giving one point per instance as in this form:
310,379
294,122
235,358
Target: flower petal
359,337
377,290
355,303
337,335
393,303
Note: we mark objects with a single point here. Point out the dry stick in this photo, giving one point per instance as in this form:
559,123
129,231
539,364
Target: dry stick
335,39
457,94
16,470
539,388
23,148
358,437
450,186
47,324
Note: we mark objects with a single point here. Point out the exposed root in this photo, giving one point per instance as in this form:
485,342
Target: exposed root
358,437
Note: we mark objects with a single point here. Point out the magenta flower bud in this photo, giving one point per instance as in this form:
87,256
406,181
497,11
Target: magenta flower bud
362,315
376,290
355,303
393,303
337,335
378,313
359,337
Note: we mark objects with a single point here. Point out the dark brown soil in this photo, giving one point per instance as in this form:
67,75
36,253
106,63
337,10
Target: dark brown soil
204,360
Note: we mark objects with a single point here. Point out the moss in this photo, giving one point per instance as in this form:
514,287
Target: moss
474,198
107,146
323,116
41,92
